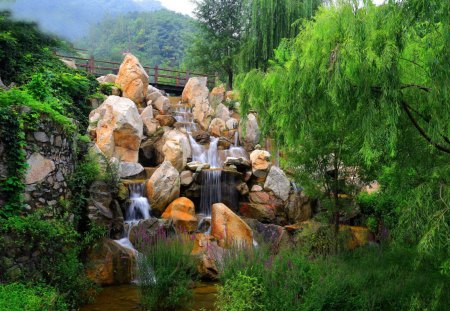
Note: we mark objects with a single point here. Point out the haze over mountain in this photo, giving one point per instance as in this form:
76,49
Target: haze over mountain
71,19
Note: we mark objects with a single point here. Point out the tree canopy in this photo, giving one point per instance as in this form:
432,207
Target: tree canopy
156,38
371,83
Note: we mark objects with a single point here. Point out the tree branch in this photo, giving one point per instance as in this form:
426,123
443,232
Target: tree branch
421,130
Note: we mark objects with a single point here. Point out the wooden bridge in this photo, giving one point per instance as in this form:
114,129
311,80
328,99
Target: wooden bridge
170,80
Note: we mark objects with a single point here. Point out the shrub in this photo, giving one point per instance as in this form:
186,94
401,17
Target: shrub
18,297
165,270
56,246
376,279
241,293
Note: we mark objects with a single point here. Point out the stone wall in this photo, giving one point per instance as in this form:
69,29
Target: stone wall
50,157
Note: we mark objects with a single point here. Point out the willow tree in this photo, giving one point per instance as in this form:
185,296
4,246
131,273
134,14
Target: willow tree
368,82
266,23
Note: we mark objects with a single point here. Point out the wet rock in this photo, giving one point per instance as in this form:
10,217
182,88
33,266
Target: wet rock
278,183
163,187
208,255
201,137
151,125
109,263
271,234
132,79
242,188
217,95
223,143
228,228
162,104
172,152
240,163
232,124
196,166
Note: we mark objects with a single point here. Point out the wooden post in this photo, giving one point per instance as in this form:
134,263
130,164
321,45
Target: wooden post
178,78
156,74
91,65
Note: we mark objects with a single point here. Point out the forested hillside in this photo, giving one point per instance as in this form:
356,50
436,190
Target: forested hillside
159,37
72,19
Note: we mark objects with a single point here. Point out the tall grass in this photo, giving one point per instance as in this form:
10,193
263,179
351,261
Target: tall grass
372,278
166,270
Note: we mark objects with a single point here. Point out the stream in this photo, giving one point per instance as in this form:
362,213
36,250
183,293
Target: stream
126,298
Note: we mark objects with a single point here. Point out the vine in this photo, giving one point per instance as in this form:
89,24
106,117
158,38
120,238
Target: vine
12,137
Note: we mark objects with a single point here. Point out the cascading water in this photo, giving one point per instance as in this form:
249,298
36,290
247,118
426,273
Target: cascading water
211,191
138,209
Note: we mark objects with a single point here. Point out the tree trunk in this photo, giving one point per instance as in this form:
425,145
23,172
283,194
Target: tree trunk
230,78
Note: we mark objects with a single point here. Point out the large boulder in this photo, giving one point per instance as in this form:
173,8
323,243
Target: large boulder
217,127
109,263
117,128
195,94
144,231
278,183
109,78
228,228
299,208
232,124
209,255
249,133
129,169
182,213
163,187
262,212
162,104
180,138
132,79
269,234
260,160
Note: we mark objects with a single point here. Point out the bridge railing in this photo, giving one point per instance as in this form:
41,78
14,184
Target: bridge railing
157,75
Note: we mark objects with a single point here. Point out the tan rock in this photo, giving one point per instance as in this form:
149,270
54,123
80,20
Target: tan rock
109,263
260,212
217,127
162,104
249,133
132,79
209,254
151,125
186,178
228,228
217,95
172,152
278,183
166,120
232,124
109,78
163,187
38,168
222,112
117,128
182,213
260,160
195,94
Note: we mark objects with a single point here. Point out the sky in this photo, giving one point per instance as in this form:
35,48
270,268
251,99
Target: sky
181,6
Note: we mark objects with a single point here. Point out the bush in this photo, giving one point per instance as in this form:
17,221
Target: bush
57,246
165,270
376,279
19,297
242,293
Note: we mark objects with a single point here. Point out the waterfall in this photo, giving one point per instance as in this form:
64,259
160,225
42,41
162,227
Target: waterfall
206,155
138,209
210,190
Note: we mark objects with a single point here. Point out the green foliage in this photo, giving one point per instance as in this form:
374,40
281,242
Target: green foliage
366,87
371,278
12,138
57,245
379,209
376,279
19,297
22,48
217,42
156,38
165,271
242,293
267,23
